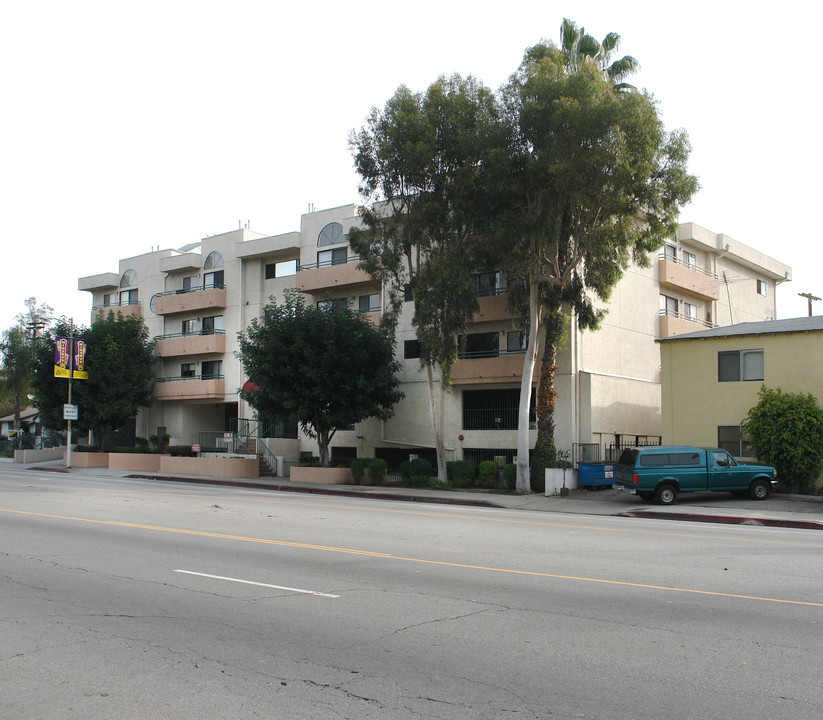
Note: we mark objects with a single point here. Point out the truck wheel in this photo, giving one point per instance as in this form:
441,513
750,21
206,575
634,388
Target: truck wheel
666,494
759,490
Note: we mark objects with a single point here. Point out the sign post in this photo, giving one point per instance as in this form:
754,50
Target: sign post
70,362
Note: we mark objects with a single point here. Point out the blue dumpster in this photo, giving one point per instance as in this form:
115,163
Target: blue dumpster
595,475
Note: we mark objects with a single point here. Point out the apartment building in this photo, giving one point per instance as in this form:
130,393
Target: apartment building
196,299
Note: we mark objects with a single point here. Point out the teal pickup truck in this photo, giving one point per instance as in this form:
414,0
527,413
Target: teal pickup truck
661,472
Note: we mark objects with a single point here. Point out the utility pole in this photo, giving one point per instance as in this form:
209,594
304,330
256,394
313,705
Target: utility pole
809,297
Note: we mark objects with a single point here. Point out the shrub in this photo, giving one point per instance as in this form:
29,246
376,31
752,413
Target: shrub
404,468
487,472
420,466
141,442
510,476
358,465
378,469
179,451
416,481
544,456
460,473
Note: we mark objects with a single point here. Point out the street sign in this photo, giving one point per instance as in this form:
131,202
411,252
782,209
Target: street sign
195,447
69,412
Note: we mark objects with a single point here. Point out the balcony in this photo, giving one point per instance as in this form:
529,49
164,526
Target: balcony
672,323
327,277
191,388
179,344
689,279
493,307
101,311
199,298
487,367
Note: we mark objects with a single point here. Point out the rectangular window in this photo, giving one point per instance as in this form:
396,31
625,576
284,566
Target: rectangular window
671,251
690,311
516,341
187,327
213,279
189,283
211,369
285,268
480,345
107,300
493,409
408,295
669,305
336,304
740,365
187,370
689,260
212,325
761,287
487,283
337,256
411,349
731,439
369,303
128,297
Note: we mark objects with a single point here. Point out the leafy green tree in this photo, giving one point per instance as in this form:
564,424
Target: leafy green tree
16,369
330,368
119,360
786,431
421,160
595,183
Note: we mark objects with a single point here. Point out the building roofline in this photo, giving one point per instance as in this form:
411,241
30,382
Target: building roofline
763,327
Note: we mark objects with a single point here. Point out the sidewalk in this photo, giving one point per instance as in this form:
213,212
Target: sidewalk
779,510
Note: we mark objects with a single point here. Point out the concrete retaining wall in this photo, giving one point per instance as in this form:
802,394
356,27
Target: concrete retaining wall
328,476
32,456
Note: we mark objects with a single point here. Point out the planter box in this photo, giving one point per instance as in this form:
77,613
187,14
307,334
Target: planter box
225,467
139,462
87,459
326,476
31,456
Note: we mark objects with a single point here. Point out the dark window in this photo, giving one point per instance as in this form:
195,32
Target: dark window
281,269
684,459
107,300
669,459
628,457
487,283
343,453
213,279
187,370
480,345
408,295
669,305
731,439
212,325
270,271
493,409
516,341
187,327
189,282
211,369
333,304
331,257
128,297
761,288
737,365
369,303
411,349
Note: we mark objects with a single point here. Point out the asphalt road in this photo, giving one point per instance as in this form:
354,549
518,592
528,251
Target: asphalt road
131,599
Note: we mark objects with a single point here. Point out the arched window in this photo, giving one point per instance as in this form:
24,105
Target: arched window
332,234
128,280
212,277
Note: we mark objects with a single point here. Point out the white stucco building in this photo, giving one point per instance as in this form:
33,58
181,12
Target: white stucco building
196,299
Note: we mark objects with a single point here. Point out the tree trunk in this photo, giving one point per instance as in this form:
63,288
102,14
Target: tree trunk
437,424
523,478
323,447
546,391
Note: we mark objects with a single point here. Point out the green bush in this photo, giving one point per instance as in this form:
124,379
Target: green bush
416,481
487,472
544,456
420,466
141,442
510,476
85,448
179,451
404,468
357,467
378,469
460,473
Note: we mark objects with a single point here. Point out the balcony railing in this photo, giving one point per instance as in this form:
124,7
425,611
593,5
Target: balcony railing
169,336
197,288
683,316
690,266
113,305
476,354
327,263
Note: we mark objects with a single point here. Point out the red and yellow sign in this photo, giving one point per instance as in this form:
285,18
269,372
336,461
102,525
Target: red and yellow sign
70,358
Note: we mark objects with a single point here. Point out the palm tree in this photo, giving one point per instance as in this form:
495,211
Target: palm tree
577,46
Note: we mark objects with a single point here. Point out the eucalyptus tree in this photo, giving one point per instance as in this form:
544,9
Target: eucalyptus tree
596,184
16,369
421,160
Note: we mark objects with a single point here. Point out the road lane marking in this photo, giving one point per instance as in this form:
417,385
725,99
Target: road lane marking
259,584
422,561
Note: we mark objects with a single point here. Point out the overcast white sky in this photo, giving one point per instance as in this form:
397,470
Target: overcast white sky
127,125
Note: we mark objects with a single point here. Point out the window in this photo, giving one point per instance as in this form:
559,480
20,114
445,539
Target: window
369,303
492,409
212,325
721,458
668,459
690,311
281,269
334,304
408,294
187,327
671,252
737,365
689,259
213,261
331,257
189,283
211,369
128,297
668,305
516,341
187,370
411,349
107,299
332,234
487,283
213,279
731,439
480,345
128,279
761,287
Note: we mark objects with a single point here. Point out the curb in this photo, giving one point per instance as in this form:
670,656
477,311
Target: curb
321,491
724,519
